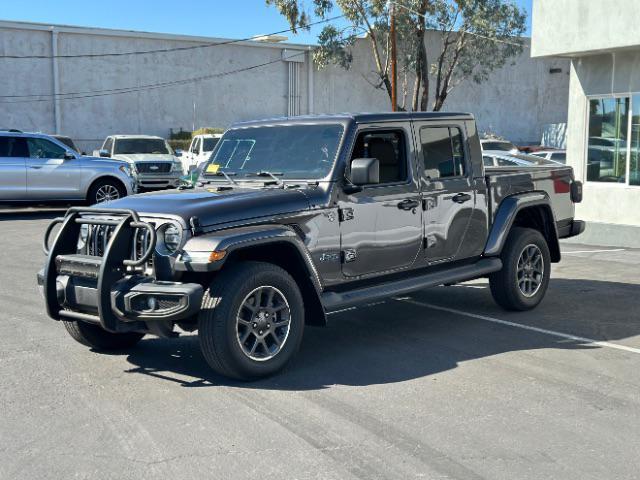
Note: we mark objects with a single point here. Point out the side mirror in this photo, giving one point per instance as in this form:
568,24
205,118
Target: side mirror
104,153
178,152
365,171
69,156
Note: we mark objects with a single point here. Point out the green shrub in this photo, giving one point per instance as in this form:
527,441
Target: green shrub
179,144
179,135
207,130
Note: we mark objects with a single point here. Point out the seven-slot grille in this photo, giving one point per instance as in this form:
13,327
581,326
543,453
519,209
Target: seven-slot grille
153,167
98,239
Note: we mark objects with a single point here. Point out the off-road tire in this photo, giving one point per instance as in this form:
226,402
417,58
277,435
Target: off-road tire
92,195
504,284
217,320
98,338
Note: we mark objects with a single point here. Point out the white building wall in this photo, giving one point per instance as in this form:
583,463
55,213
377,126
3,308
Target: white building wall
515,103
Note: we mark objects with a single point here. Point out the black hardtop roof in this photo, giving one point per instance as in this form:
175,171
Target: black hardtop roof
357,118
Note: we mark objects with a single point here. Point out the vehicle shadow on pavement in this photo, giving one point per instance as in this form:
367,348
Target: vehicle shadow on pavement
39,214
399,341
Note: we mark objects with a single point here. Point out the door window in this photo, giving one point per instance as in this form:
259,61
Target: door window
388,146
442,152
41,148
13,147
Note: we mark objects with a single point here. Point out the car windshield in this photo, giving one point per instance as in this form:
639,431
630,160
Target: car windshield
209,144
292,151
502,146
140,145
68,142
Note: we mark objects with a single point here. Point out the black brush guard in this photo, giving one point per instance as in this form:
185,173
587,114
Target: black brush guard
112,272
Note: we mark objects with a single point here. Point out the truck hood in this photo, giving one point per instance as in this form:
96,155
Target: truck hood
144,157
212,207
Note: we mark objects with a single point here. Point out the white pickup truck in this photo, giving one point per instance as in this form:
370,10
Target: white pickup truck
151,158
199,150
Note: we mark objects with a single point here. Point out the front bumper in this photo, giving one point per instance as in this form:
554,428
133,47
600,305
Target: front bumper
158,181
571,229
110,290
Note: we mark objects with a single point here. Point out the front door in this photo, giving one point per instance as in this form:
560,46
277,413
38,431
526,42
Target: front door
49,174
448,193
13,173
381,226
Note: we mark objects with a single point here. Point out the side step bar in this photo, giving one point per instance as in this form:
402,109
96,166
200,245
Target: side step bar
332,301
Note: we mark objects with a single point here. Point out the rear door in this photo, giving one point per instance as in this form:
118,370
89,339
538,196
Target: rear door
448,190
13,171
49,174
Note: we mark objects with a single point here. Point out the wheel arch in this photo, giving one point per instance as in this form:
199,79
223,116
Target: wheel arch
101,178
275,244
529,210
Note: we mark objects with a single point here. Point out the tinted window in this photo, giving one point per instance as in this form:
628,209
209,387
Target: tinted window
42,148
108,145
488,161
503,162
13,147
67,141
442,152
209,144
140,145
295,151
389,148
559,157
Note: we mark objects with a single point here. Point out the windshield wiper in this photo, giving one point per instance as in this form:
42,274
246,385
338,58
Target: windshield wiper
266,173
222,173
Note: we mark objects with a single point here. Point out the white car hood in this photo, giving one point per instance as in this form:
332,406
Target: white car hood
145,157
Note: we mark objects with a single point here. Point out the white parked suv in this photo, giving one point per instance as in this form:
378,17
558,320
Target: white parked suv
151,159
199,150
35,167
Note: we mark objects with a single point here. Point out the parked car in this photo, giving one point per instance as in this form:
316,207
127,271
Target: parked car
151,159
36,167
299,217
497,144
498,158
199,151
559,156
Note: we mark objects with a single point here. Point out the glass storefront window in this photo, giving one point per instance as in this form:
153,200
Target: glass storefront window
607,147
634,167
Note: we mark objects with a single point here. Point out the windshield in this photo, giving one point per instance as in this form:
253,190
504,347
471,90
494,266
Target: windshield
502,146
140,145
209,144
67,141
293,151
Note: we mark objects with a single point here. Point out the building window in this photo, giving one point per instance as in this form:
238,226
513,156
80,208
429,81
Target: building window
634,151
607,145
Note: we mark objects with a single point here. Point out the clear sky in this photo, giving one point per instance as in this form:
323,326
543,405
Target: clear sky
211,18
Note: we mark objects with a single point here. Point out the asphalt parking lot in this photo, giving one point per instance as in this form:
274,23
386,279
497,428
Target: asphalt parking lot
442,384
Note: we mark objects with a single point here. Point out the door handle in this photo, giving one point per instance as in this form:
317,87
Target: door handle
461,198
35,167
408,204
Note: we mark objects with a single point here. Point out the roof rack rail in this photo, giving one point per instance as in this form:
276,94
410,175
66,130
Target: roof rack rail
12,130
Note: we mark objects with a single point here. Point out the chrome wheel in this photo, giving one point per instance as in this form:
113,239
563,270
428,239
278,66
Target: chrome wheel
263,323
530,271
106,193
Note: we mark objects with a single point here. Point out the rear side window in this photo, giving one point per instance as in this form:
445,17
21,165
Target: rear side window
442,152
13,147
42,148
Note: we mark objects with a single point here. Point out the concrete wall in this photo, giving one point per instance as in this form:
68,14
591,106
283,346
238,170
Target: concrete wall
515,103
575,27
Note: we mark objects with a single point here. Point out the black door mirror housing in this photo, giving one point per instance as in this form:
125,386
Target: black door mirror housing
69,156
365,171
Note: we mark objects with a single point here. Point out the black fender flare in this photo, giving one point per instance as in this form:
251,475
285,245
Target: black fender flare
506,214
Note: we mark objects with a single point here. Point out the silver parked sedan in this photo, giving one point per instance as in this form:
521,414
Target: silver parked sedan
37,168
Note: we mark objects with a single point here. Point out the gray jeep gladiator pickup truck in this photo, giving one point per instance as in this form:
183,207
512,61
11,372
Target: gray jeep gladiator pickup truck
294,218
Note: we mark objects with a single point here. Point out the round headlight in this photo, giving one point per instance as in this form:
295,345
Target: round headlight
170,238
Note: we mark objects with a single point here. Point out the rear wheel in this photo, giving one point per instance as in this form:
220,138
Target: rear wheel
526,267
105,190
96,337
251,322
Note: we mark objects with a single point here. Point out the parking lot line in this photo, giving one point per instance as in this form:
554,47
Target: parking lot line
596,251
486,318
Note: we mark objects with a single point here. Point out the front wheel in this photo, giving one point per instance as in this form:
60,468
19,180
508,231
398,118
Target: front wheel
98,338
251,322
526,268
105,191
